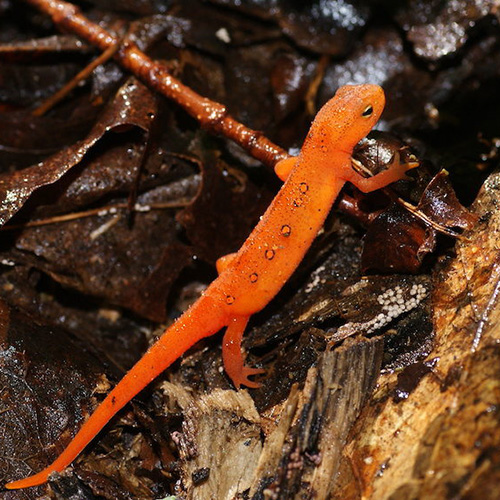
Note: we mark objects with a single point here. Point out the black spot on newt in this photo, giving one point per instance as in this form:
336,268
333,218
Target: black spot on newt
269,254
286,230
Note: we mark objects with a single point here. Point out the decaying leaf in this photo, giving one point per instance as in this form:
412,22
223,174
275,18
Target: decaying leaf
48,380
438,30
134,106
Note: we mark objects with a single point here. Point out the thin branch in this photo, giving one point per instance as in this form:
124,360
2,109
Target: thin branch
95,212
317,80
82,75
212,116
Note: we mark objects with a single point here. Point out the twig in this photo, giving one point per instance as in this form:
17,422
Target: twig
211,115
82,75
318,77
95,212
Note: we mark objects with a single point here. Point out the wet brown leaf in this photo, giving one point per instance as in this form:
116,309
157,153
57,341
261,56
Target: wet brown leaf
134,106
437,30
324,27
397,241
440,204
204,218
47,382
105,257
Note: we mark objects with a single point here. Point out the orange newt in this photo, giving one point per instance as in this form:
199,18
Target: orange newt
250,278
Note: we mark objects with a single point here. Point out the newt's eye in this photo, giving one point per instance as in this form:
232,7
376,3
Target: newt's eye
368,110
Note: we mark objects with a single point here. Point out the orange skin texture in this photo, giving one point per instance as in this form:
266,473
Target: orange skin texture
250,278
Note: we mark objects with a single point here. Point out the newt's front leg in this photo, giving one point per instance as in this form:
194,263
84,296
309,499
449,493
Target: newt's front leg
284,167
232,354
394,172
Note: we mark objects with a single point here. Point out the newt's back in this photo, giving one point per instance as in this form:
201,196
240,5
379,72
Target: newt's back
278,243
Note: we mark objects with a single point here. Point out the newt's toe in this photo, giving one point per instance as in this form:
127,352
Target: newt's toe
242,378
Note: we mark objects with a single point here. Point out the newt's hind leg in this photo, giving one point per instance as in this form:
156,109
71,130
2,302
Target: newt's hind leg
232,356
224,262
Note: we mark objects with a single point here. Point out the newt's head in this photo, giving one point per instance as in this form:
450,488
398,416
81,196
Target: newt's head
350,115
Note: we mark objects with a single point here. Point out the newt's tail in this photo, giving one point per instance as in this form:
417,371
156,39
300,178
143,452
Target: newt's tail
204,318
